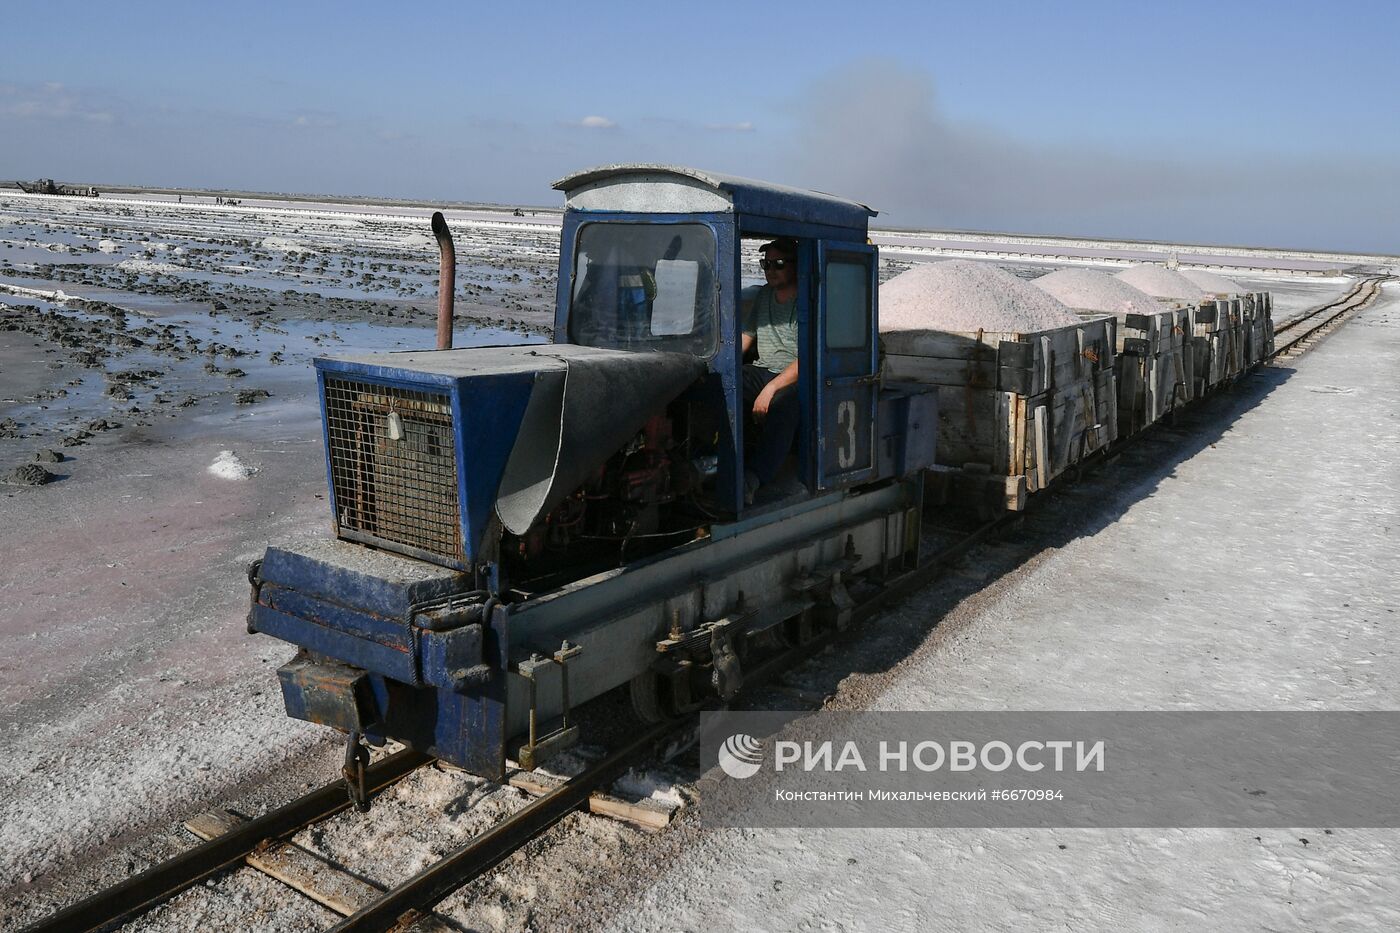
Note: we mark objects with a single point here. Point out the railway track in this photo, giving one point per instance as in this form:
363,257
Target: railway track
399,907
409,903
165,880
403,906
1303,329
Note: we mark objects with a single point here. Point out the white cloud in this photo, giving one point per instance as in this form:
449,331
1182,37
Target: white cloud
744,126
316,119
597,123
51,100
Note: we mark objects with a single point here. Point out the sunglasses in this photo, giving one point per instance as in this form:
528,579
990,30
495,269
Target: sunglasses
766,264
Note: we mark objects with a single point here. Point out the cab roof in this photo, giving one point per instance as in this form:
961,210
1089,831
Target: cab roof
678,189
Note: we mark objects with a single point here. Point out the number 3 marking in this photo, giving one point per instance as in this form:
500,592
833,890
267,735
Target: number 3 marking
846,451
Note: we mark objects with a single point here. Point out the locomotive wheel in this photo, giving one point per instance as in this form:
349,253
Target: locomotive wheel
799,630
648,698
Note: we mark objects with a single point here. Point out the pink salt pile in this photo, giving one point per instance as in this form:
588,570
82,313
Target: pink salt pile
962,296
1213,284
1161,282
1091,290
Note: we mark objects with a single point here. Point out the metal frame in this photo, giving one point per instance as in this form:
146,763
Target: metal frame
472,417
741,195
757,209
724,361
331,606
814,243
408,382
855,369
617,616
463,693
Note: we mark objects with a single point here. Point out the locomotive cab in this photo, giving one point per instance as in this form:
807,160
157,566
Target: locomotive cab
652,257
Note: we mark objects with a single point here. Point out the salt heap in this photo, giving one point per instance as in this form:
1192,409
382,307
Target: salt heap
958,295
227,466
1212,283
147,267
1090,290
1161,282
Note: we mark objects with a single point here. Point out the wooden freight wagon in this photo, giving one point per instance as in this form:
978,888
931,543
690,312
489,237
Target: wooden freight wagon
1155,366
1218,343
1015,410
1233,335
1258,328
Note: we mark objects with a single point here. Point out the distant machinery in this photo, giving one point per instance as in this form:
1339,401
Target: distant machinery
49,186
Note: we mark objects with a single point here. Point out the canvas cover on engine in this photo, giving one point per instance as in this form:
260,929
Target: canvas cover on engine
584,404
580,414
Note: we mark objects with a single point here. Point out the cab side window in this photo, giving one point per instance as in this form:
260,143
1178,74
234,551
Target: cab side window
847,303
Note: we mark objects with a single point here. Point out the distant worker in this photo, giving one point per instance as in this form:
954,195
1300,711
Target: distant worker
770,385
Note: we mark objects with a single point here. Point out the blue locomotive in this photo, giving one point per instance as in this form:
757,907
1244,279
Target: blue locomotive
519,529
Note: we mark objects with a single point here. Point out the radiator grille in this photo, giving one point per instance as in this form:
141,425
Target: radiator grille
393,466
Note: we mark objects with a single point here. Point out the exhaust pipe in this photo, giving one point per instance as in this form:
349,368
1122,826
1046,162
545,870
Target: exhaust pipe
447,280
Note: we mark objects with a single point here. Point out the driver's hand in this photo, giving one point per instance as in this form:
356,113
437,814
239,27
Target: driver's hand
760,404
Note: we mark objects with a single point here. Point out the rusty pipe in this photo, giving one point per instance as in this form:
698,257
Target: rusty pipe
447,280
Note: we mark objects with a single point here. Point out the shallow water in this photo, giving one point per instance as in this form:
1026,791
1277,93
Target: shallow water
160,247
275,357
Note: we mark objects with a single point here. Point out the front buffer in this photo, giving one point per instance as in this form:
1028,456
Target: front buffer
390,647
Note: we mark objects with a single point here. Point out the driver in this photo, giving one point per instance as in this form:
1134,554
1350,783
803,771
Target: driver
770,384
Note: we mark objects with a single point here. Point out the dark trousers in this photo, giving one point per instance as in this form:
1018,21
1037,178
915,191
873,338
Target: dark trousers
776,432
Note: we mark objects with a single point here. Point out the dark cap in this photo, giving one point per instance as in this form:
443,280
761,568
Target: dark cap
786,245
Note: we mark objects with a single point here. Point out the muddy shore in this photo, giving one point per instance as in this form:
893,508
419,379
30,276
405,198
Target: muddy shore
115,318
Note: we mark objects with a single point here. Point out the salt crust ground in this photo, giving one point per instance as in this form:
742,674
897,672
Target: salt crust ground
1292,297
132,697
1260,574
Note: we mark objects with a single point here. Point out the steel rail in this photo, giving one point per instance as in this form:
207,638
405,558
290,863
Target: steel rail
1354,301
168,878
481,854
1312,312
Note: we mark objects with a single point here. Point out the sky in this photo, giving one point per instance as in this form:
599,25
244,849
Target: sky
1262,123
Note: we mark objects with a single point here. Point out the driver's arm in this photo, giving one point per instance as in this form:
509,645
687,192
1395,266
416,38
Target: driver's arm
781,381
784,379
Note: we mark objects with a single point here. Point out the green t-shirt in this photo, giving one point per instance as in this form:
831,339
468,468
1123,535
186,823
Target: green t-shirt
773,324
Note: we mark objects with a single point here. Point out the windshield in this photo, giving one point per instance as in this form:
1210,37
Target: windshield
644,287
